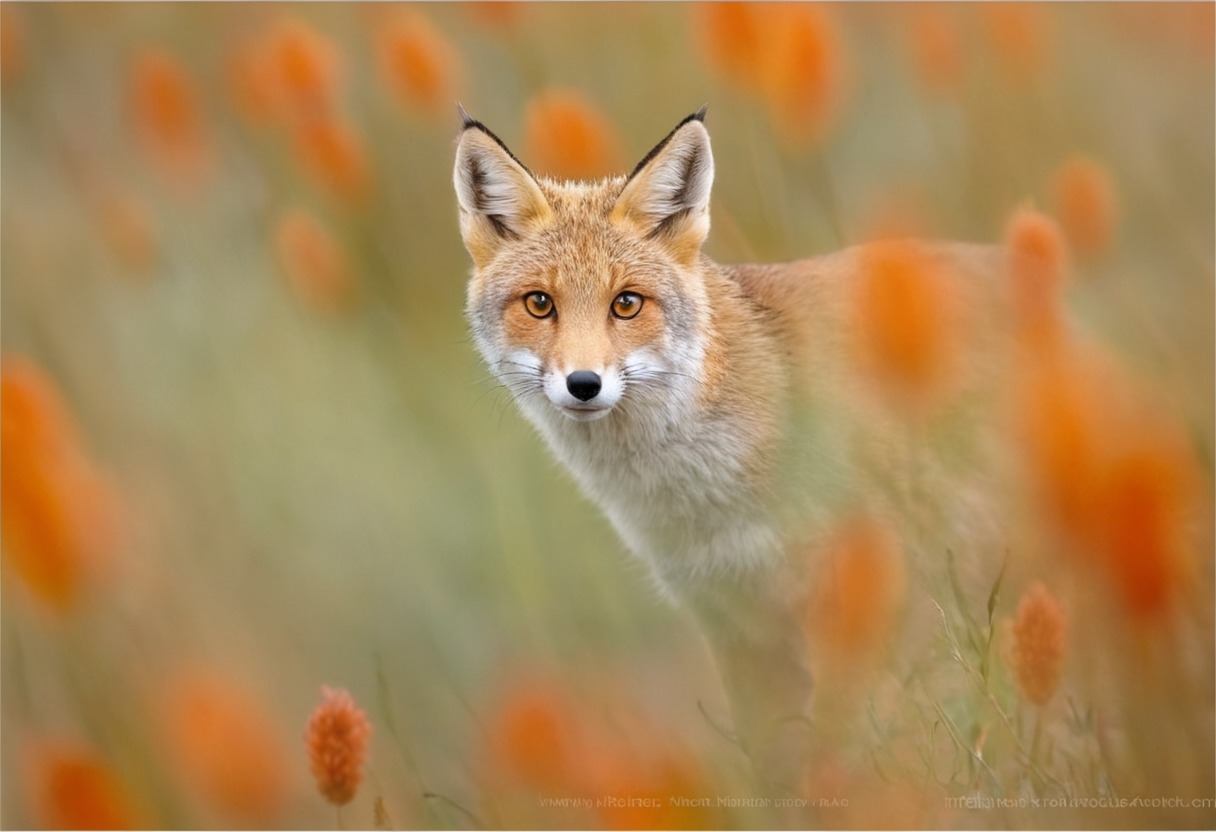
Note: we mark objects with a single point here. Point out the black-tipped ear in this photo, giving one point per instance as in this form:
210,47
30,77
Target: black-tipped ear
498,197
667,195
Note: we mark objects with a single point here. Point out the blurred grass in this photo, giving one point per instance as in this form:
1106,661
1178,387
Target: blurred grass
314,497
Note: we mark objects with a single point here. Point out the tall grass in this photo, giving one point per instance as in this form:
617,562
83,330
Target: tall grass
248,449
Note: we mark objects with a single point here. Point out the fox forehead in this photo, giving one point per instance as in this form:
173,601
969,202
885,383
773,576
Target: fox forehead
580,250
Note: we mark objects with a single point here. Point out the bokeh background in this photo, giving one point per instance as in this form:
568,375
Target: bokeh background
248,449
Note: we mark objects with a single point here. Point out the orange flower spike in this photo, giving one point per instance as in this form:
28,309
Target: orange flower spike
1086,203
1146,493
534,738
860,589
418,63
802,71
1039,631
337,736
221,739
733,40
569,137
307,70
332,153
252,83
1037,269
314,263
12,44
72,788
1020,37
57,517
937,50
167,115
904,310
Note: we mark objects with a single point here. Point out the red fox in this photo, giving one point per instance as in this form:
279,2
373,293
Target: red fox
675,389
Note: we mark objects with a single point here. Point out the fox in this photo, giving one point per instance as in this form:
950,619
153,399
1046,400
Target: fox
669,386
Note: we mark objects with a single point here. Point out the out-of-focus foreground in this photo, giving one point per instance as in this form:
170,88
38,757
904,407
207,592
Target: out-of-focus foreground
248,450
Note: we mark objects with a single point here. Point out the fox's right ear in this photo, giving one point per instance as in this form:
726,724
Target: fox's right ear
498,197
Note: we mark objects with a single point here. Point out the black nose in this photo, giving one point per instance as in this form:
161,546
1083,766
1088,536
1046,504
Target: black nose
584,385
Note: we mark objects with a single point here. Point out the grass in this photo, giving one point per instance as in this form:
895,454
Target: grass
314,495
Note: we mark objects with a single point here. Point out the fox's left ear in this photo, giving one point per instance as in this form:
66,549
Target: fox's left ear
667,195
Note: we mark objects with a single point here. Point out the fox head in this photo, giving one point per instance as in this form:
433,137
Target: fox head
587,297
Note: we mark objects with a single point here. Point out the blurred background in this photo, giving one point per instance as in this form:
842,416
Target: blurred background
248,449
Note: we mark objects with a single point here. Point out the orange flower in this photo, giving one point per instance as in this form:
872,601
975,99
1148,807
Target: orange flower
306,68
495,14
1085,202
252,82
59,524
905,316
71,787
418,63
1019,35
223,744
535,738
332,153
858,593
12,44
803,71
1037,653
314,263
569,137
337,745
937,49
734,39
1037,265
126,225
1145,494
643,780
167,116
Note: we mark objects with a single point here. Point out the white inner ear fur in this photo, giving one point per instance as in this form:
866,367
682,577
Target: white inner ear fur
677,180
491,184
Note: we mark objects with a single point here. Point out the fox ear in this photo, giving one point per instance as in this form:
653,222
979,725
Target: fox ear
498,197
667,195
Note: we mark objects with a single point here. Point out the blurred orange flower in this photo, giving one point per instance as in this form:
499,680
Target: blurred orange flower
733,39
1037,267
1084,198
568,137
59,518
126,225
858,593
1039,633
803,71
70,787
1020,37
168,120
495,14
905,311
252,83
12,44
937,49
332,153
536,739
337,737
418,63
1114,475
306,68
643,779
314,263
224,745
1148,491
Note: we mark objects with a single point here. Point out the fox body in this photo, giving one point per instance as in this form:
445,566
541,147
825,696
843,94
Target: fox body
665,382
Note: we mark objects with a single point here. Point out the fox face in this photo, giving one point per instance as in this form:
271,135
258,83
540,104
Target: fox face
585,299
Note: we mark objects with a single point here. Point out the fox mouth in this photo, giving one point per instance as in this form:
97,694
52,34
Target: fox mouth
585,412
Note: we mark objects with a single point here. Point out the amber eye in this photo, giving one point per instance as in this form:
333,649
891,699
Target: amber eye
538,304
627,305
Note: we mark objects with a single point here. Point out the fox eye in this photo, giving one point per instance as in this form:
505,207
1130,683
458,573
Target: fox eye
627,305
538,304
